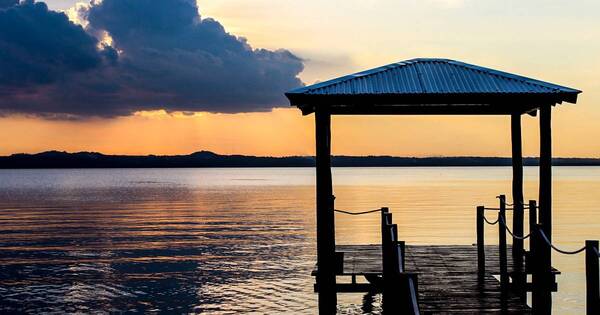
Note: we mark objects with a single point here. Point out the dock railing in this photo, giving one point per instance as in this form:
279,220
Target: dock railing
543,275
400,291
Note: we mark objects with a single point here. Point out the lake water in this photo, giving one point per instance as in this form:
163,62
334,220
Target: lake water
243,240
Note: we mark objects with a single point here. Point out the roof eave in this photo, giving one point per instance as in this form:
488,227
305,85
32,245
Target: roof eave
497,104
297,99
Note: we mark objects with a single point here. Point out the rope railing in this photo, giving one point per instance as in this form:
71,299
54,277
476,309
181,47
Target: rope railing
356,213
565,252
497,209
490,223
510,232
512,205
507,209
537,261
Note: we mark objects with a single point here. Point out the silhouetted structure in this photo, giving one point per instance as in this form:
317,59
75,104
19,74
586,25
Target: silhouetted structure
438,87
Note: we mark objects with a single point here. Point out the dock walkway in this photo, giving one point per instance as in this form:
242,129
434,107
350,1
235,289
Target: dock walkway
447,278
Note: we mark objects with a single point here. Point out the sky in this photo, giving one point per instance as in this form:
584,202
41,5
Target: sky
178,76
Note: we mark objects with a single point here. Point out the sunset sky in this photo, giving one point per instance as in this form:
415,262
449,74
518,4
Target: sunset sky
138,80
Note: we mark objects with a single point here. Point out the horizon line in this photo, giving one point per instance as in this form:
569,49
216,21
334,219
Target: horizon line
289,156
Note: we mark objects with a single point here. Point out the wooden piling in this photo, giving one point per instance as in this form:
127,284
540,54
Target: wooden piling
541,294
545,208
480,243
502,244
402,245
386,220
389,253
326,281
532,224
592,283
399,287
519,277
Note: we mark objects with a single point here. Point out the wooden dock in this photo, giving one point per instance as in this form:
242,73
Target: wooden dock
448,280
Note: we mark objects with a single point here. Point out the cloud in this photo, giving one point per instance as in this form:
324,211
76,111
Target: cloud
162,55
7,3
38,46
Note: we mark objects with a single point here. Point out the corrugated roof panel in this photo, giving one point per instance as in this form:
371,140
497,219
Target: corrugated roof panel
430,76
427,81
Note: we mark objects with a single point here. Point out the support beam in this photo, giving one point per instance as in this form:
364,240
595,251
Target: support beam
517,192
543,305
545,198
325,215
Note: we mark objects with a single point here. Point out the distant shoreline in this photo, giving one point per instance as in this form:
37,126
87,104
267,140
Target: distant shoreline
206,159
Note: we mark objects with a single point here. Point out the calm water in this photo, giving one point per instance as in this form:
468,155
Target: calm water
241,240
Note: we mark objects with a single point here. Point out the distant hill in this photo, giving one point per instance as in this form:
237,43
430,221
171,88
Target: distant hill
56,159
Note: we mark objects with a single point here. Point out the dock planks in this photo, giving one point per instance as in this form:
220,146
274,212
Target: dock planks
447,277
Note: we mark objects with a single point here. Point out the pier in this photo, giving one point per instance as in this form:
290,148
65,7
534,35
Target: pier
447,279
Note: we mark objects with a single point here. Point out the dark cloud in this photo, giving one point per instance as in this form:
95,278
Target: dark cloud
38,46
7,3
162,56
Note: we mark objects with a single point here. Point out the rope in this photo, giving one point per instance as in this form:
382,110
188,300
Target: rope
511,233
488,222
356,213
507,209
497,209
558,249
525,206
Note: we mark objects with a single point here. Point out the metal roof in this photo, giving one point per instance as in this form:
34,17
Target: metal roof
427,81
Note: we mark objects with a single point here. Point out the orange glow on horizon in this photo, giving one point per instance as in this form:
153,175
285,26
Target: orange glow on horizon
285,131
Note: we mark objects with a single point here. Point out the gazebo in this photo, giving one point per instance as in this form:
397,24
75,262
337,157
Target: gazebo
430,86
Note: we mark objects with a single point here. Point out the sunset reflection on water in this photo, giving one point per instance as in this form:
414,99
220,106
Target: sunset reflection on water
233,240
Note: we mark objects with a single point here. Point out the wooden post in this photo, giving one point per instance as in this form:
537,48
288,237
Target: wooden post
326,283
402,245
545,189
532,224
402,297
480,243
390,266
386,220
502,244
592,283
541,294
385,213
395,253
389,251
545,207
519,277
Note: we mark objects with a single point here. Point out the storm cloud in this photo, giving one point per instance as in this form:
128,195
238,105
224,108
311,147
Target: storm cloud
133,55
7,3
